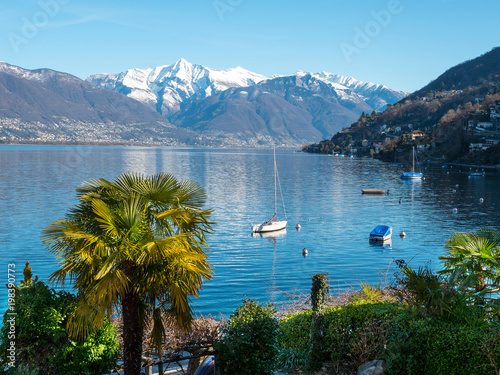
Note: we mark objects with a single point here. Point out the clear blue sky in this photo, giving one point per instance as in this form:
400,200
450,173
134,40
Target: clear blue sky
403,44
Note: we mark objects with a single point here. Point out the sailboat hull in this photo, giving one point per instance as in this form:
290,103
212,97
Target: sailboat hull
271,227
411,176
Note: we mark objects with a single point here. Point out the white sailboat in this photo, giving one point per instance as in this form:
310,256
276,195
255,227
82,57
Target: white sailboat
273,224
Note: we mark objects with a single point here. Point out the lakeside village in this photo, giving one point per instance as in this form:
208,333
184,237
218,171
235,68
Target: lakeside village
134,274
467,133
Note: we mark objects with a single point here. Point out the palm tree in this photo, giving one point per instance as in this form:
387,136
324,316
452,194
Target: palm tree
135,244
474,259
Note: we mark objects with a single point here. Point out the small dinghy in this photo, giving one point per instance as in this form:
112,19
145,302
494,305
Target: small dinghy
381,233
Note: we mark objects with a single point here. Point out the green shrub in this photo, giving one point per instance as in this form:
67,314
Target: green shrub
42,343
437,347
249,344
352,332
356,332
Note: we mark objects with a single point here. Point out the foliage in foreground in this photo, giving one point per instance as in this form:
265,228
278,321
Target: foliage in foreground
434,327
353,333
42,343
433,346
249,344
473,259
135,245
319,292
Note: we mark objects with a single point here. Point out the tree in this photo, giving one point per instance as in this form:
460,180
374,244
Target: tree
473,259
136,245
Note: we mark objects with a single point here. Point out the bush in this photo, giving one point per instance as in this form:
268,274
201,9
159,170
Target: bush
294,331
353,333
436,347
357,332
42,343
249,344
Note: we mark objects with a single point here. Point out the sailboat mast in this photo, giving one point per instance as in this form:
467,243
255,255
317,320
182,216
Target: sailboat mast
275,196
413,168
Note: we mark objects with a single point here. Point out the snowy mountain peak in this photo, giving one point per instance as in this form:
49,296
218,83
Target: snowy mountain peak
377,96
167,87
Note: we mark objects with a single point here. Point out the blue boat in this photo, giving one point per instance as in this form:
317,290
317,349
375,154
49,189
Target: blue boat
381,233
412,175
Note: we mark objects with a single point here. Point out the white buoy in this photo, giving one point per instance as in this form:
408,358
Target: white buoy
402,234
454,191
297,226
481,200
455,210
304,252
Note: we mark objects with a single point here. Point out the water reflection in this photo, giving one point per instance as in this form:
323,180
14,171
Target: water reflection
381,245
323,194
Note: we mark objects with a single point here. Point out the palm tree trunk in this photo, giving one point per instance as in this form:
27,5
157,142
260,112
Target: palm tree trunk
133,332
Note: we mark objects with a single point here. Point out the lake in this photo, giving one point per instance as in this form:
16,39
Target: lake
322,193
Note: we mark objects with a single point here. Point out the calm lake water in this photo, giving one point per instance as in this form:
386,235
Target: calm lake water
322,193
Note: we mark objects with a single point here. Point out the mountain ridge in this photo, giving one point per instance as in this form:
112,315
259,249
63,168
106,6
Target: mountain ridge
454,118
184,103
167,88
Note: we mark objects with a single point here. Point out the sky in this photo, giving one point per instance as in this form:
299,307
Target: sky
403,44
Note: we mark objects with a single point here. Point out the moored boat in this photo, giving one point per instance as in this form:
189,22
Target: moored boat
273,224
412,175
373,191
381,233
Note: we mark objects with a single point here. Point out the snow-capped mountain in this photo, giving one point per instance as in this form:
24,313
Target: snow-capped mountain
169,88
291,110
166,88
376,96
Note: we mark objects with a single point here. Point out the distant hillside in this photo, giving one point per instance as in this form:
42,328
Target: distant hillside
475,72
459,123
49,106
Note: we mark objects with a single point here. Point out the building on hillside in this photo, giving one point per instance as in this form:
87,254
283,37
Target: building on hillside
491,142
476,147
415,134
485,125
495,112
